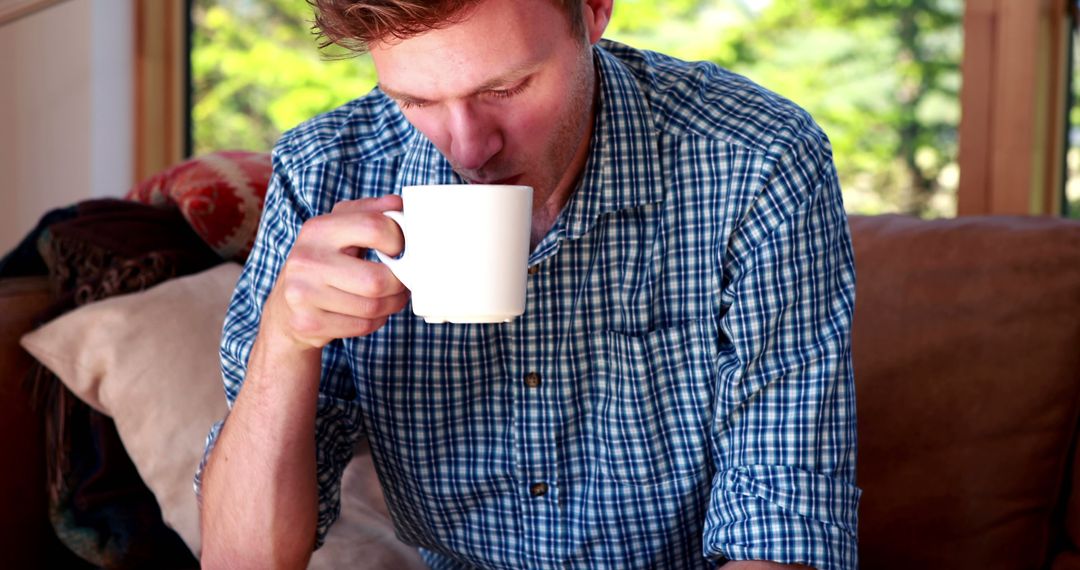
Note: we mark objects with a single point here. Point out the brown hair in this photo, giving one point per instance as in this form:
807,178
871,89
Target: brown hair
357,24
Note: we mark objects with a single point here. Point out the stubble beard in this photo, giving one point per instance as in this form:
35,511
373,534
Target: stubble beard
569,134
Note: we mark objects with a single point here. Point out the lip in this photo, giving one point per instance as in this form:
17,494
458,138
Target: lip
509,181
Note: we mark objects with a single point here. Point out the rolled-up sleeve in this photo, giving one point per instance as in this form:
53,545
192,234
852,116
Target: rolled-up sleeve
338,422
784,439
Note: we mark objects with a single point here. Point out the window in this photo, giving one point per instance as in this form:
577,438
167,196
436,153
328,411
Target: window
882,78
256,72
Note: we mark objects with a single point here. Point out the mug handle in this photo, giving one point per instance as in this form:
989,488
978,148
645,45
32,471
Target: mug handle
398,266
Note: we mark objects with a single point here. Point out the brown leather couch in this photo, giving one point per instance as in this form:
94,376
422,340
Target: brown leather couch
967,363
967,369
26,538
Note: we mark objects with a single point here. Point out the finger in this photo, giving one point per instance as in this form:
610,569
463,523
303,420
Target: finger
364,278
377,205
343,231
309,270
336,301
321,325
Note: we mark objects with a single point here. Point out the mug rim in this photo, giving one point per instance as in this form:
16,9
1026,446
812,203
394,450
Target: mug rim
423,187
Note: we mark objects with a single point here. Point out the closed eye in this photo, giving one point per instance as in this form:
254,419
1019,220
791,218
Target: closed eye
507,93
411,104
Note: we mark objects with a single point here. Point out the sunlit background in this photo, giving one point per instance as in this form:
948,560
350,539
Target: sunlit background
882,77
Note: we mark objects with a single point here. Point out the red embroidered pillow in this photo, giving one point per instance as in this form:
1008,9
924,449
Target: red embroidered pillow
220,194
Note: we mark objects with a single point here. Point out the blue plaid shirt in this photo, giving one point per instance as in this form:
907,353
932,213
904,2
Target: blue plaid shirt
679,389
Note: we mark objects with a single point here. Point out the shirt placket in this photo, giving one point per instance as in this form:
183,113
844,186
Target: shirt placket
537,459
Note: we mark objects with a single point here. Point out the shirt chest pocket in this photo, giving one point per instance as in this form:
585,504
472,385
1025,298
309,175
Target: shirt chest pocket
652,409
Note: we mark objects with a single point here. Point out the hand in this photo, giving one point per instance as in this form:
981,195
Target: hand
325,290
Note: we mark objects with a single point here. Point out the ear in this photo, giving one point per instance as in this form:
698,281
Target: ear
597,15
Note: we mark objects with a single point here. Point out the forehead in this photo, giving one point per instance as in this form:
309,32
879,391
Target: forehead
495,38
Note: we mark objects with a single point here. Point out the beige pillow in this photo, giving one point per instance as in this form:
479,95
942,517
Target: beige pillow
150,361
363,536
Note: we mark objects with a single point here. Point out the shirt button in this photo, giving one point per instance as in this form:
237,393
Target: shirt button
533,270
532,380
538,489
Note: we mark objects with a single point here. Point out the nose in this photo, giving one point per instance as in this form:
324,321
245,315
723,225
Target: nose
474,137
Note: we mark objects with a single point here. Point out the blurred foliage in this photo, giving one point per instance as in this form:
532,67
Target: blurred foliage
881,77
257,71
1071,199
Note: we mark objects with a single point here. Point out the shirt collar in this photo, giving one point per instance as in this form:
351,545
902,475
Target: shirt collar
623,167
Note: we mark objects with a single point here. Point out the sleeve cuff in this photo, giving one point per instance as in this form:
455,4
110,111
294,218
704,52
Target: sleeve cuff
337,429
211,440
782,514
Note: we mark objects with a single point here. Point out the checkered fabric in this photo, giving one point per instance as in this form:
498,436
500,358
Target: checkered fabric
679,390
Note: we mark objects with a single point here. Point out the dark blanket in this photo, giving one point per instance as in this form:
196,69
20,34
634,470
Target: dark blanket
24,260
99,506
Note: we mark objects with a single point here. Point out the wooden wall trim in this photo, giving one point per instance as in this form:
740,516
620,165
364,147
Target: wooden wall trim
1058,26
11,10
1013,104
977,120
160,81
1014,89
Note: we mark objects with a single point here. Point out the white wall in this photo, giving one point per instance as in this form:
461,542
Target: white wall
65,110
112,97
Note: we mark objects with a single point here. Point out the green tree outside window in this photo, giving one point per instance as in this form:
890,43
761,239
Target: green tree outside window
882,77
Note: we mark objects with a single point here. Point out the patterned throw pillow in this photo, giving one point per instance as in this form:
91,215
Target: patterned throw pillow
220,194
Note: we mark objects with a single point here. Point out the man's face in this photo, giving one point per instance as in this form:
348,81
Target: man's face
505,95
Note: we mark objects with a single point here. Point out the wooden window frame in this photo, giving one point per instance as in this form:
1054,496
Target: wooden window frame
1012,130
161,84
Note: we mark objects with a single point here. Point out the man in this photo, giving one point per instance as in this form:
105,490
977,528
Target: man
678,392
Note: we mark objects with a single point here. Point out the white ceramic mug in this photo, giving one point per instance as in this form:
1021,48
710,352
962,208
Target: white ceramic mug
466,251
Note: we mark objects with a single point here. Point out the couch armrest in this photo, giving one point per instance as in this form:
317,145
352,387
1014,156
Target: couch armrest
24,526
